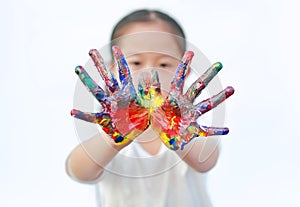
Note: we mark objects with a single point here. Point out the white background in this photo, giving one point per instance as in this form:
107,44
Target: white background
257,41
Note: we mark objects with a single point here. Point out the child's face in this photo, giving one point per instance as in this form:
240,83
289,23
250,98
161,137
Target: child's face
149,45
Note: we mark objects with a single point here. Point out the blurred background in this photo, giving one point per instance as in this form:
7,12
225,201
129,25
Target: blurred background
257,41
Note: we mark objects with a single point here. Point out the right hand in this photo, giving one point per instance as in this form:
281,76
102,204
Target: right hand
125,113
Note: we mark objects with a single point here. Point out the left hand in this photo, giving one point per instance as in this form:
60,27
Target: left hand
174,119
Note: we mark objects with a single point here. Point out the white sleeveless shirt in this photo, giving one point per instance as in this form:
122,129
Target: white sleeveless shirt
136,178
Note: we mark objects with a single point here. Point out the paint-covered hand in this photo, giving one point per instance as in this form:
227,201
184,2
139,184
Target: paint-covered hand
174,119
124,115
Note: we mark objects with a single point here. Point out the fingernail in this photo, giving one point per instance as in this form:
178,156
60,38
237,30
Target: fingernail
74,112
78,69
218,66
229,91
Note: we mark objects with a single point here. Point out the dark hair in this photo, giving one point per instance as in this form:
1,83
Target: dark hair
145,15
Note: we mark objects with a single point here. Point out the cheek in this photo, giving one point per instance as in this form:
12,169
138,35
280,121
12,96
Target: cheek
134,68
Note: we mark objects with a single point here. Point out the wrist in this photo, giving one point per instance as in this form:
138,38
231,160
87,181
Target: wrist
114,145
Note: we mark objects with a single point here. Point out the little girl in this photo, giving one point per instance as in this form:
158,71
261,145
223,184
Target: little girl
144,172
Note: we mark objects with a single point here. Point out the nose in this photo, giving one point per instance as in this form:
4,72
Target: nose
149,65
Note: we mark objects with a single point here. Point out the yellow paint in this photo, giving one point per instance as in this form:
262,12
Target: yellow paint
103,122
129,137
165,139
203,134
157,99
173,122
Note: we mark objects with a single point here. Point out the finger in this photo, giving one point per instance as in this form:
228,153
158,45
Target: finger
155,91
208,104
144,84
101,118
196,130
92,86
178,80
204,131
149,92
110,81
196,88
124,71
155,84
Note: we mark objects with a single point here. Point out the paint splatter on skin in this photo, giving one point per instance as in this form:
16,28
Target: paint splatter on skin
124,114
174,119
127,113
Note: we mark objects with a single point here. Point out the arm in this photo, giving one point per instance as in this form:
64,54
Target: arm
123,118
200,154
86,162
175,118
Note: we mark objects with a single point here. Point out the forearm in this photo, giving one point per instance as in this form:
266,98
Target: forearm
87,160
201,153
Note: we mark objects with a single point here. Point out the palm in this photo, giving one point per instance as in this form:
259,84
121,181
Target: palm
175,120
127,115
124,115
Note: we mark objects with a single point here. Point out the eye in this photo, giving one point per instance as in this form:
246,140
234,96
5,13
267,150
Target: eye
136,63
163,65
